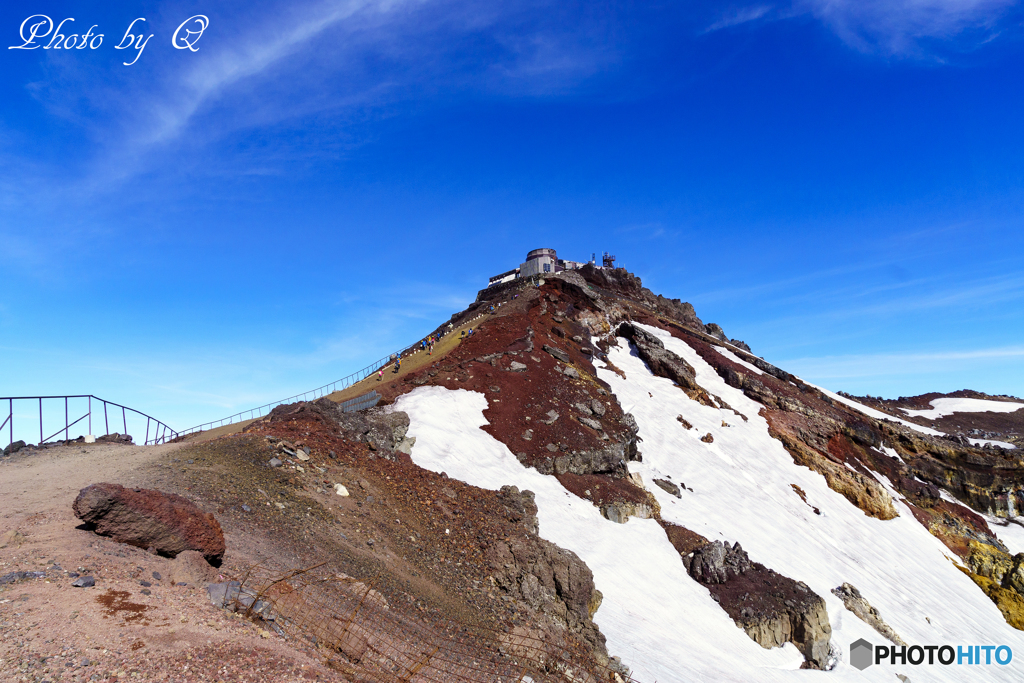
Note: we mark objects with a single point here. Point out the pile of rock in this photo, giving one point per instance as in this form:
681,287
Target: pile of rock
717,562
16,446
287,449
856,603
115,438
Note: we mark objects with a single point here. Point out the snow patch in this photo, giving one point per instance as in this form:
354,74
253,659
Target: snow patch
877,414
1009,531
947,406
736,359
983,442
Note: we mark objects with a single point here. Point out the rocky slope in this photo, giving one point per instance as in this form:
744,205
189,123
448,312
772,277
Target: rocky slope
544,365
539,361
597,484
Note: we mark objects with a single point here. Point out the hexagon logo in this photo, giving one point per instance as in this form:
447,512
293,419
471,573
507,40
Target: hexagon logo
862,654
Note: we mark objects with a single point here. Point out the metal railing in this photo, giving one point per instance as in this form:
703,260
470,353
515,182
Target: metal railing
160,431
319,392
360,402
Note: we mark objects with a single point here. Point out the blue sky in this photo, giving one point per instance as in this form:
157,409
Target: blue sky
840,184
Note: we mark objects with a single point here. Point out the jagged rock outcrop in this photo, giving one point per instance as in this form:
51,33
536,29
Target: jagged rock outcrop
859,489
552,581
1001,576
771,608
1009,602
660,360
382,429
716,331
989,481
856,603
717,562
145,518
611,460
621,281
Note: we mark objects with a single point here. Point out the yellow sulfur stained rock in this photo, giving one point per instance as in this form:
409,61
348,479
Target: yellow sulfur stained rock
989,562
1009,602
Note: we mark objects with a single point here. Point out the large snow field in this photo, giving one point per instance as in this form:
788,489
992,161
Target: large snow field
947,406
663,624
741,491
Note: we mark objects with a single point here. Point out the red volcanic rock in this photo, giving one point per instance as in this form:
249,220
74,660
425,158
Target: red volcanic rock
150,519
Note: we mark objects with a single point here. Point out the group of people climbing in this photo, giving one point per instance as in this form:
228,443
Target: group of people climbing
427,345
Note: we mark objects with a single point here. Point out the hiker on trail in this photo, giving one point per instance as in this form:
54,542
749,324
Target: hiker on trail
380,374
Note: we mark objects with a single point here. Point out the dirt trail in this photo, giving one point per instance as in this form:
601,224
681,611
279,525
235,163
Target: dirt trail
52,631
410,363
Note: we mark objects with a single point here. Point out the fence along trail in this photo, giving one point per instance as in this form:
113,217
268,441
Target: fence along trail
50,417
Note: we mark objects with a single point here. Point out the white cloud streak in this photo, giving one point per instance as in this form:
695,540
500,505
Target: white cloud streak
741,16
898,27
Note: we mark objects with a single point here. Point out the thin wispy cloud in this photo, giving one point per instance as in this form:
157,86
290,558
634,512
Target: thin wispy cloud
900,27
743,15
330,59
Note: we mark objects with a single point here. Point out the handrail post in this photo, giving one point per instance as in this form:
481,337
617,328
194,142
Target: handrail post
90,415
40,421
124,418
106,420
146,442
65,418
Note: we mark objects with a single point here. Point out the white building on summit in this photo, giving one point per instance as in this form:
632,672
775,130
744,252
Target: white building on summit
541,261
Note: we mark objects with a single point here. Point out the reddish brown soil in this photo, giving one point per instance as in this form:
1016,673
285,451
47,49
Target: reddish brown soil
682,539
602,489
52,631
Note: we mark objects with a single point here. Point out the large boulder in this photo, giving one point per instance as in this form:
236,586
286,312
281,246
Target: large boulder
150,519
